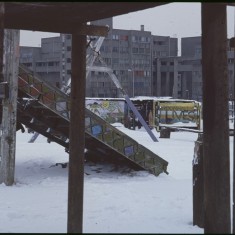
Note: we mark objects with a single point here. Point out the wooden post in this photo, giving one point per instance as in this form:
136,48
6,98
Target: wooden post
215,115
10,68
2,10
232,45
198,183
77,134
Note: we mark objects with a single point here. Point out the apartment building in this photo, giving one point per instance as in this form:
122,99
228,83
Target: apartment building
130,53
181,76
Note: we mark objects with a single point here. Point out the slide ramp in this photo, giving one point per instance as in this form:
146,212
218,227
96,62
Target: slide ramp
45,109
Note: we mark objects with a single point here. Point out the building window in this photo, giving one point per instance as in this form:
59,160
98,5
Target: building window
115,60
115,37
107,49
160,43
163,62
107,61
134,39
68,71
141,50
135,50
38,64
100,84
142,39
124,37
146,73
139,73
124,49
28,64
163,53
115,49
68,60
147,50
68,48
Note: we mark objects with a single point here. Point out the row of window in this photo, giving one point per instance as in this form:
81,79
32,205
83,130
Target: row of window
135,62
120,37
136,50
141,39
160,43
44,64
138,73
109,85
160,53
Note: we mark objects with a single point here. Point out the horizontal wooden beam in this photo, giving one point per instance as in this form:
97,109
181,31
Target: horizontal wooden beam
92,30
65,17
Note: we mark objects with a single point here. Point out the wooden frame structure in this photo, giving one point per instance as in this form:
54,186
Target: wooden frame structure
71,18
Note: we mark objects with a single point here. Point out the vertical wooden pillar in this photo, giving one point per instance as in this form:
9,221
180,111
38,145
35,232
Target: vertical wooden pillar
2,11
9,105
77,134
215,119
198,183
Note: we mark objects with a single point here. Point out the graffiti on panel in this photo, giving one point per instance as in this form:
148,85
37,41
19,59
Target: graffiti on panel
177,113
110,110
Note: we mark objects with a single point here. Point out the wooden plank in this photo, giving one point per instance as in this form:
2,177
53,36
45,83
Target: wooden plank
9,106
77,135
65,17
215,119
50,26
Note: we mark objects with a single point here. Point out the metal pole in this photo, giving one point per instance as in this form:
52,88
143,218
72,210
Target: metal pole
133,82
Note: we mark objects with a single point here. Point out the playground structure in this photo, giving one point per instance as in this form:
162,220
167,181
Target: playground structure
149,112
158,112
41,107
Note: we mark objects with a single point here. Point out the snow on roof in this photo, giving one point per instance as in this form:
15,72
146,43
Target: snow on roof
143,98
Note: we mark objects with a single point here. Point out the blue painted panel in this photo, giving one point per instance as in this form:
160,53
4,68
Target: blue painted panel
96,130
129,150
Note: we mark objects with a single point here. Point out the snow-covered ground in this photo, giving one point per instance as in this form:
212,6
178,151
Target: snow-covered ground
115,201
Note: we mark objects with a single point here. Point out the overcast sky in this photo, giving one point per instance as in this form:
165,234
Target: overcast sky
174,19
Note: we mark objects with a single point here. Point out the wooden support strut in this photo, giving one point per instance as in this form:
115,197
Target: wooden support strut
9,74
77,134
93,30
215,119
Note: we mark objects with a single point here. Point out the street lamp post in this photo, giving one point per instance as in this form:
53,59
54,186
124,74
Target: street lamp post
133,81
187,94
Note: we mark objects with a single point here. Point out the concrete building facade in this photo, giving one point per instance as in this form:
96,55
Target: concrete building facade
181,77
129,53
145,64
